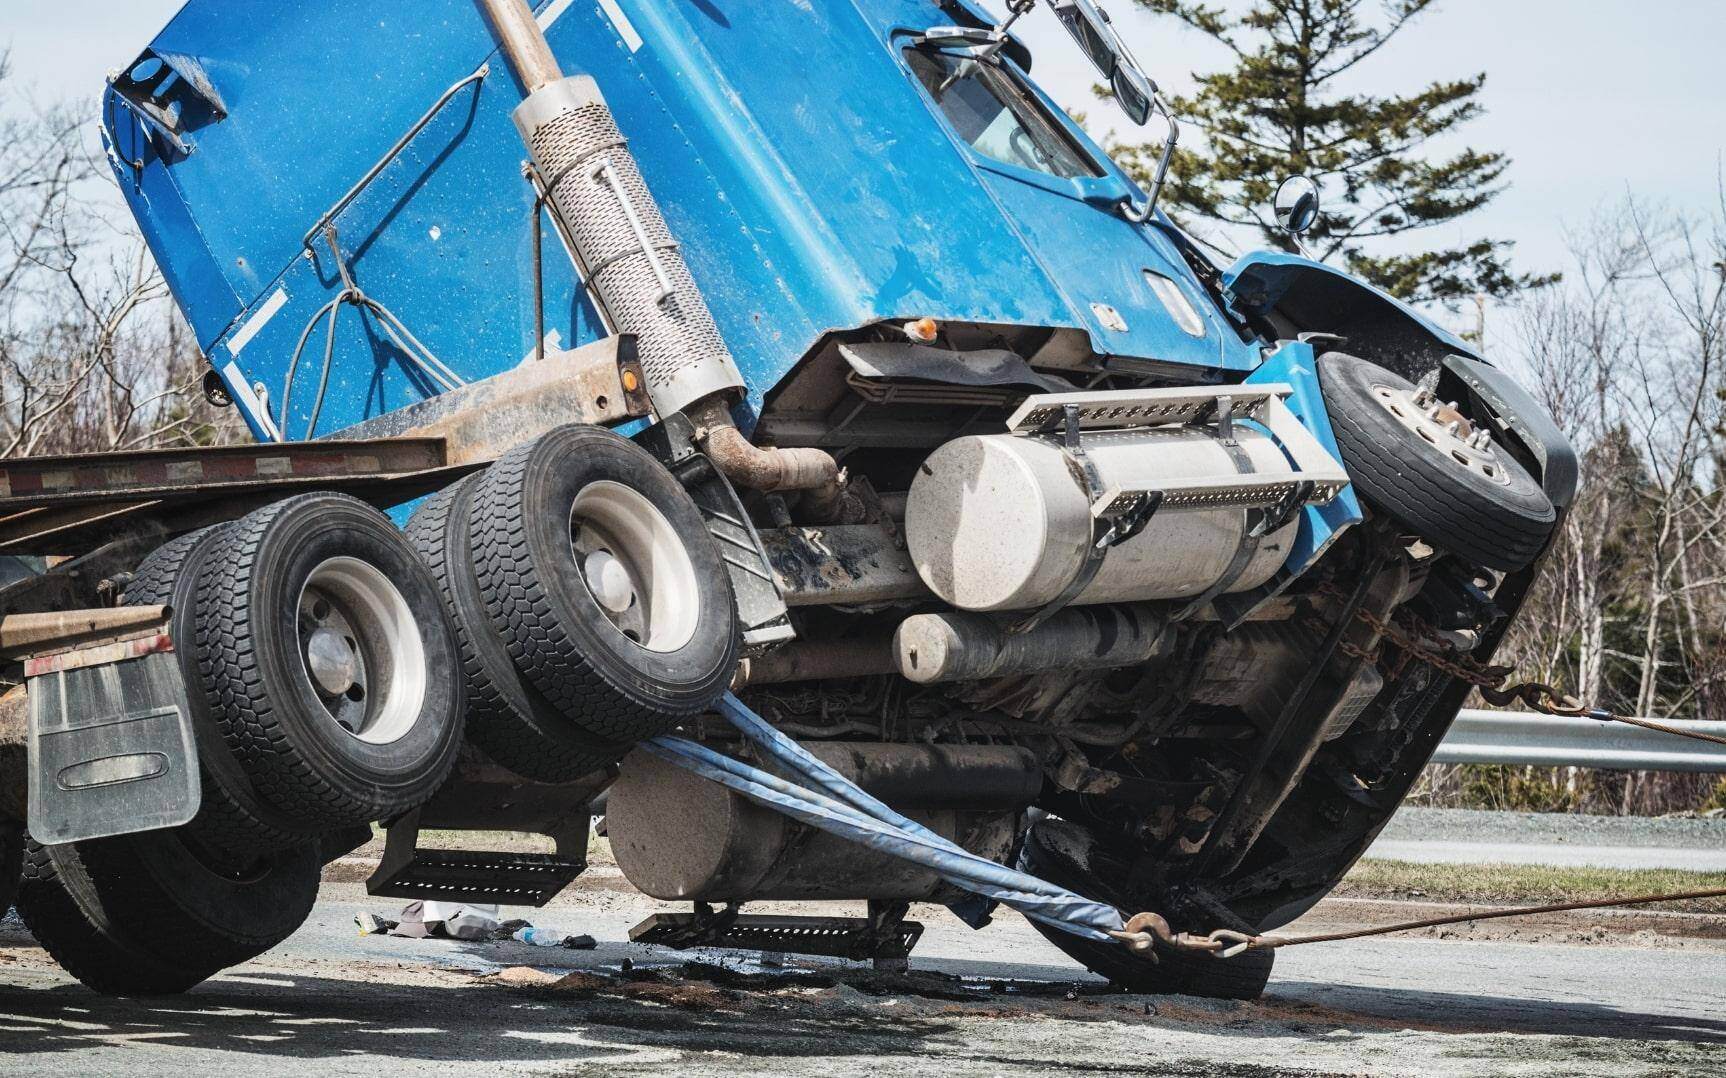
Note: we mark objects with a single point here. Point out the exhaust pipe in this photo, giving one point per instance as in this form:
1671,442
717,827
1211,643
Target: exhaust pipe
628,255
614,223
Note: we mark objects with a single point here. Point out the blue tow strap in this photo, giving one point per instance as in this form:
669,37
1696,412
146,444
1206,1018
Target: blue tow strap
832,803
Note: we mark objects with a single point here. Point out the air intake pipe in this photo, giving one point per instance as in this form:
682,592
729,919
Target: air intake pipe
631,261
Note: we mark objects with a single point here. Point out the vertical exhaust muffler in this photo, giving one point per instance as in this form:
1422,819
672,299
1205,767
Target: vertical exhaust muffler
627,252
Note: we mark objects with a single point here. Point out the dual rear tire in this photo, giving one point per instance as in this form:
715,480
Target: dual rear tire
589,608
287,752
593,608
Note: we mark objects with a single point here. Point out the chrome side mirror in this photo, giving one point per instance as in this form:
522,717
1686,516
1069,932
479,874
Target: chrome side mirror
1095,32
1296,205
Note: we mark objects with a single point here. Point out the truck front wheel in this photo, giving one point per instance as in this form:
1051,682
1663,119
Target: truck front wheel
1431,469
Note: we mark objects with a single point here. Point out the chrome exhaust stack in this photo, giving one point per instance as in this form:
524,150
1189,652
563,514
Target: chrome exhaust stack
630,260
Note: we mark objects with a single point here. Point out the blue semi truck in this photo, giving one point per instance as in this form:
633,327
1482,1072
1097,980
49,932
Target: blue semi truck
607,356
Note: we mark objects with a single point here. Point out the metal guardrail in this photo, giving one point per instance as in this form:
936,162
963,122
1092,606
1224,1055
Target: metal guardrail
1522,737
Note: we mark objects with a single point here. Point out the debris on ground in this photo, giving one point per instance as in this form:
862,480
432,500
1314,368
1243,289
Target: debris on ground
471,923
541,937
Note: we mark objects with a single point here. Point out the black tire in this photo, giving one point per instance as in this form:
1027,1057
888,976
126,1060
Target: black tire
507,718
256,682
232,820
11,862
103,963
1066,854
557,634
148,914
1497,525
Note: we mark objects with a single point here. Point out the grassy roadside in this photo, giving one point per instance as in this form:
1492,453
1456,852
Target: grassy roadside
1526,884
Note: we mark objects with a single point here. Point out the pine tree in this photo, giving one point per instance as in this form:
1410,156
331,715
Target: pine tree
1279,110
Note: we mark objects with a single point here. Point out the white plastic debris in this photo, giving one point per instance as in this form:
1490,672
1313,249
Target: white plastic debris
453,919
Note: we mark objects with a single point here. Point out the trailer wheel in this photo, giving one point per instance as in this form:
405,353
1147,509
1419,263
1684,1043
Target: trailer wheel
232,817
150,914
1427,468
601,578
1065,853
322,648
507,718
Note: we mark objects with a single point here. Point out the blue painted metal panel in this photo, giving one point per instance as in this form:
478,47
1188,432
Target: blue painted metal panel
812,184
1320,525
1274,273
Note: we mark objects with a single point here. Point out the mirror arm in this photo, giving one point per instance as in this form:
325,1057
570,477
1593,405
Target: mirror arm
1140,216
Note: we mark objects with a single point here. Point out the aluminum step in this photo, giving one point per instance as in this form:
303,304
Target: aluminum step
506,878
859,939
1074,416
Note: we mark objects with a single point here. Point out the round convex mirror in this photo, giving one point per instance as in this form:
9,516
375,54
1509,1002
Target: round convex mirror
1296,205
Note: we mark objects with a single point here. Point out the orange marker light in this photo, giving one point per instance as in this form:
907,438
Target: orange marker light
923,330
630,381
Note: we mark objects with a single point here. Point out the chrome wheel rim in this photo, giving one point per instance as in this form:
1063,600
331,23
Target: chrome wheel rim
635,566
1441,425
361,650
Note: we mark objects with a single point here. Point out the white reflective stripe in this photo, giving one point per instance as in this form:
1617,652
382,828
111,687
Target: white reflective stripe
246,399
261,318
553,12
625,28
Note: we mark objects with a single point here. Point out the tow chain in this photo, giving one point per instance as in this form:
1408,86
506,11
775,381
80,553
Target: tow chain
1420,642
1423,643
1144,931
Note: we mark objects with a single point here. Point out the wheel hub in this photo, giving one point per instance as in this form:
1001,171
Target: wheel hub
361,649
1442,425
331,660
634,565
609,580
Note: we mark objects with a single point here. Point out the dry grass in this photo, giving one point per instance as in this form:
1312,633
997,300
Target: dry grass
1527,884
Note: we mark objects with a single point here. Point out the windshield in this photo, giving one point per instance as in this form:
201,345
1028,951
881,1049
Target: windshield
993,112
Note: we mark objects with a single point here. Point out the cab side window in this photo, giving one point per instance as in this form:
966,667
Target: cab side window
993,112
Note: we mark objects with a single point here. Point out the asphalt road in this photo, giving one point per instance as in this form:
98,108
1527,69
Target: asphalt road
329,1002
1452,836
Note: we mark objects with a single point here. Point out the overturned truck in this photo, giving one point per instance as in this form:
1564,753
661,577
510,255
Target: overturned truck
605,359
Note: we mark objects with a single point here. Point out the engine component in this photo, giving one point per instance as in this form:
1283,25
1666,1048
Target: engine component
840,565
1001,522
679,836
818,660
971,647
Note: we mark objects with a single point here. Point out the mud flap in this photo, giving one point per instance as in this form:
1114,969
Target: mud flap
110,742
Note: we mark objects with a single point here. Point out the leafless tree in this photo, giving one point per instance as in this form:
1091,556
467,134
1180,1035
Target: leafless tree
92,354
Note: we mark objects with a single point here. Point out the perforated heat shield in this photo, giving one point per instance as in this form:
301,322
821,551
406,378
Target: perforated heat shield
622,244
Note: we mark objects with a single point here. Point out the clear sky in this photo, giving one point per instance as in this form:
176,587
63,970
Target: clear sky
1589,99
